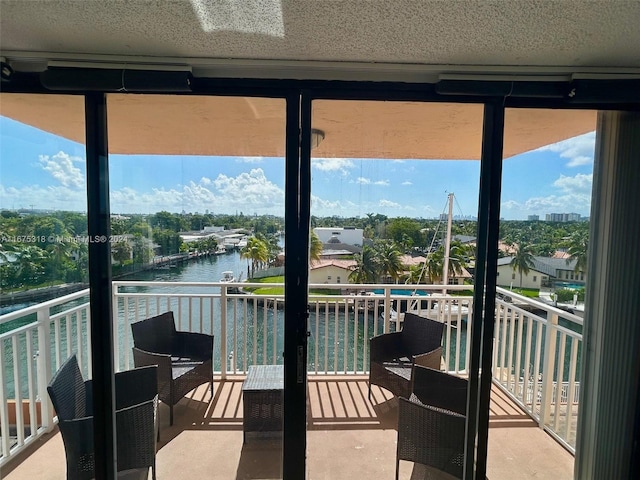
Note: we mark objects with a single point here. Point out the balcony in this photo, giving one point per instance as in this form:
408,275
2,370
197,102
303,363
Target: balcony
534,397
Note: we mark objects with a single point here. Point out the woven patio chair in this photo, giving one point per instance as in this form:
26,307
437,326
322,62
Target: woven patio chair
184,359
136,420
392,355
431,422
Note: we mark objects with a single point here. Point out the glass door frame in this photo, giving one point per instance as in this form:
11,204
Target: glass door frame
495,96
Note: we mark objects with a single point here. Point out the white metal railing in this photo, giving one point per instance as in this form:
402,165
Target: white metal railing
249,329
34,342
533,354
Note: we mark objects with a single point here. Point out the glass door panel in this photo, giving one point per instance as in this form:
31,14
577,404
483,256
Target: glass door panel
393,217
43,259
545,207
197,201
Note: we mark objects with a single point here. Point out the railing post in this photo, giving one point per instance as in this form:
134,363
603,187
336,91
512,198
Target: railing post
547,368
44,366
223,331
387,309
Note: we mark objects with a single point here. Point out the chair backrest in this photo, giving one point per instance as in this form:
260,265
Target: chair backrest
68,392
155,334
421,335
439,389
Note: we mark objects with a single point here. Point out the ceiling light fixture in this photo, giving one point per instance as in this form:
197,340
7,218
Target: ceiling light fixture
317,136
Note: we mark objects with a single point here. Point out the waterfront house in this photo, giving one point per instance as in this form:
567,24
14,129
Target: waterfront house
545,272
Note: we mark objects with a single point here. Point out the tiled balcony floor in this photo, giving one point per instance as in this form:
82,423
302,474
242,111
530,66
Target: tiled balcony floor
348,438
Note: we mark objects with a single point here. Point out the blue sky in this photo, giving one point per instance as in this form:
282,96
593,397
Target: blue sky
42,171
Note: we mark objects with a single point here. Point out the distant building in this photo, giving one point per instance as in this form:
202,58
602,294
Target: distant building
533,218
336,235
545,271
563,217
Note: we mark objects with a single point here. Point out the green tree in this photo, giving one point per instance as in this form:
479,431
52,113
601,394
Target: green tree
416,273
366,268
578,246
388,259
522,260
405,231
142,251
315,247
121,252
31,261
256,251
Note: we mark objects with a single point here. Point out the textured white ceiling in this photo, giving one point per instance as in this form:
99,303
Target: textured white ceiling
572,33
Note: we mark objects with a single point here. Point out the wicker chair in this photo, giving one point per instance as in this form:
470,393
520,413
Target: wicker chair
394,354
136,425
431,422
184,359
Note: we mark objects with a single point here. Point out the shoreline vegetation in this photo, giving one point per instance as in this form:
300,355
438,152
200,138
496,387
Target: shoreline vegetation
45,249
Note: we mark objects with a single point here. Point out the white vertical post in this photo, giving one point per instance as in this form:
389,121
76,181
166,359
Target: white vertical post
387,309
223,331
547,368
44,366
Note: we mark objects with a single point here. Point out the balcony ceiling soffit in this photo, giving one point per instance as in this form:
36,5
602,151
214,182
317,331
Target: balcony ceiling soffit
235,126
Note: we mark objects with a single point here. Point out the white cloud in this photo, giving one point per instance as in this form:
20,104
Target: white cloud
578,150
579,184
388,204
368,181
407,183
574,196
332,164
249,191
249,159
61,167
43,198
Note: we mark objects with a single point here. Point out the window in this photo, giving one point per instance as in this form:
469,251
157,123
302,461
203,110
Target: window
328,277
513,276
535,278
338,279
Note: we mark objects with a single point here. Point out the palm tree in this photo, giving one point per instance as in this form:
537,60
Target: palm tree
255,251
578,251
366,268
389,260
434,265
522,260
315,247
416,273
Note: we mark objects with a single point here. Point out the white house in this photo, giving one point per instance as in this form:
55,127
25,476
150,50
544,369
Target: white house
544,272
331,271
347,235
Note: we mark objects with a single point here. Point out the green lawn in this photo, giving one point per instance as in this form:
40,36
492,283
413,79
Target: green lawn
527,292
280,290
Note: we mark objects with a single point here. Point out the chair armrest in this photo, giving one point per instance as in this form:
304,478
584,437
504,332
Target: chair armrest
385,346
193,345
142,358
432,359
136,386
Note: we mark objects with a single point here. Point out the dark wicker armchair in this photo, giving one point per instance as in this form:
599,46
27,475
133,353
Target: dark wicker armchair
394,354
136,425
431,422
184,359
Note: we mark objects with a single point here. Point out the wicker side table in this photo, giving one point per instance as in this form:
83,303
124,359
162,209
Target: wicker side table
262,398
